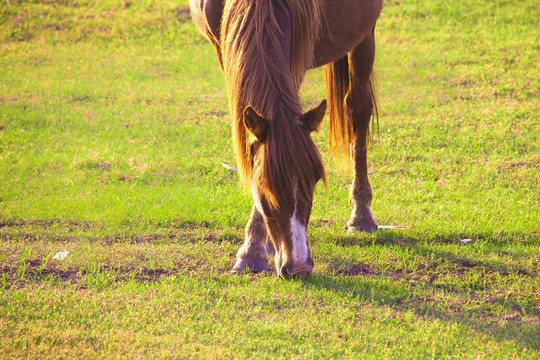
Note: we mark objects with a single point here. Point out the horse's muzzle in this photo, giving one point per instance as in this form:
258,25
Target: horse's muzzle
302,272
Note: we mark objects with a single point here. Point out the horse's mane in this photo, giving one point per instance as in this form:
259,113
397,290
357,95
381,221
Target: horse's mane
258,75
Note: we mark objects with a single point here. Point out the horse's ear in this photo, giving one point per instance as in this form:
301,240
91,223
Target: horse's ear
255,123
313,118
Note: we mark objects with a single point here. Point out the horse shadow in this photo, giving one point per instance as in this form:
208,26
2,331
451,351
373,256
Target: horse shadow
392,288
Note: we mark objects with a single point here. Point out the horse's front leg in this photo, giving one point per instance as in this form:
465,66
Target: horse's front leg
359,105
253,255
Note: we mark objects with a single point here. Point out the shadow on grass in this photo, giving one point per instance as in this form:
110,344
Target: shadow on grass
468,298
385,293
424,248
409,237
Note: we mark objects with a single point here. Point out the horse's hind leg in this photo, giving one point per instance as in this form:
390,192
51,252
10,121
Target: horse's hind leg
253,255
359,105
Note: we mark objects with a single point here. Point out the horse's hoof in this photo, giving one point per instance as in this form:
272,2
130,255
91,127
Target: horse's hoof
362,220
369,228
243,266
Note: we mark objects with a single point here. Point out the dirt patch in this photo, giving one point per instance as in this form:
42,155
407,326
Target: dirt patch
172,230
34,271
428,272
323,223
486,297
515,166
183,15
47,223
358,269
467,263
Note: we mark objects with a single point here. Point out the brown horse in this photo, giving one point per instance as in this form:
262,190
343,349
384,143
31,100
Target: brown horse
265,47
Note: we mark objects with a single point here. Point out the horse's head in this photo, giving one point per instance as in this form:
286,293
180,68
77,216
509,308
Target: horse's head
286,166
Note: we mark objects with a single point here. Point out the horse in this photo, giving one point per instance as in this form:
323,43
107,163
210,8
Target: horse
264,48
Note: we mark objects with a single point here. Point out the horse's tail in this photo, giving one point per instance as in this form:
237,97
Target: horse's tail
337,85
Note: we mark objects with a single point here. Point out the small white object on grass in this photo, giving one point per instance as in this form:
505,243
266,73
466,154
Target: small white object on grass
232,168
464,241
61,255
394,227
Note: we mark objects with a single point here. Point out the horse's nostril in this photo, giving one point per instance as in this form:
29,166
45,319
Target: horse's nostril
302,274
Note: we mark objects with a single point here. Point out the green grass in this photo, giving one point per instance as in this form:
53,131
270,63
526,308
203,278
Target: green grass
114,122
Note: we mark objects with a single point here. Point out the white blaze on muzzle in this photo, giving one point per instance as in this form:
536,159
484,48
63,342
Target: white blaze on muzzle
300,249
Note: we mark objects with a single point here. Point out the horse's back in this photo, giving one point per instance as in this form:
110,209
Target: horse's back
346,24
207,16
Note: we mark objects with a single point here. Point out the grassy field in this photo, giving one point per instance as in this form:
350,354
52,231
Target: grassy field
114,122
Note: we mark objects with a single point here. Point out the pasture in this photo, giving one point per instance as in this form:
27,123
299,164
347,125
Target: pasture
114,123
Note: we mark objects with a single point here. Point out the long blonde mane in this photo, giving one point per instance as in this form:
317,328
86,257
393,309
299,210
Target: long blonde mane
258,75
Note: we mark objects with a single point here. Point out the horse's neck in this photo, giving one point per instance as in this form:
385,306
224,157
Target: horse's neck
283,18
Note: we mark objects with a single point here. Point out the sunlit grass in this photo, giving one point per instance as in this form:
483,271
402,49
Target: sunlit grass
113,125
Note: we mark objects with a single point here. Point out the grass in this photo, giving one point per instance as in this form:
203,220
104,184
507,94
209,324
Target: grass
114,122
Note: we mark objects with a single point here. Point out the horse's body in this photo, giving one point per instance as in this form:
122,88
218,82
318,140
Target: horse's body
265,47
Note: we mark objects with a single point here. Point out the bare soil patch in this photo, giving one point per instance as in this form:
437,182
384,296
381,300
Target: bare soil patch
34,271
